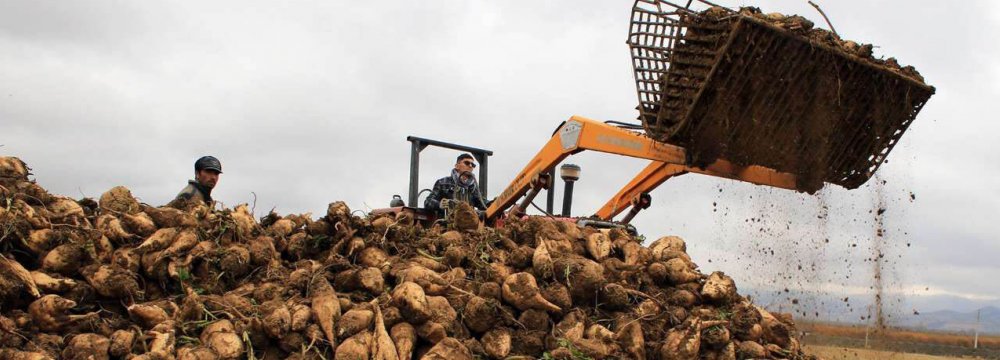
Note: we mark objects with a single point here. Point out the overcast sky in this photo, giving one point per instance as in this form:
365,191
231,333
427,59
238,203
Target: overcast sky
306,102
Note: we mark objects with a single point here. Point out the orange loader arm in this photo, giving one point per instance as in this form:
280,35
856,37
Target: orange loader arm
579,133
635,194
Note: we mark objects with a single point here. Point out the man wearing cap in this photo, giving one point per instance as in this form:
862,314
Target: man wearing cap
461,185
199,191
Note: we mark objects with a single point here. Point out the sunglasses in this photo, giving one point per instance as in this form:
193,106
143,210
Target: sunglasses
469,164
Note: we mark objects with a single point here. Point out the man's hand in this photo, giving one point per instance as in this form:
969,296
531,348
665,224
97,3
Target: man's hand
445,203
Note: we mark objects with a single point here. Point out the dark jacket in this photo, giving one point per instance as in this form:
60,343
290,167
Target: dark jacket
452,188
192,193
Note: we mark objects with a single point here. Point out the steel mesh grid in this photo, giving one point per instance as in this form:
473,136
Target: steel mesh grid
672,50
654,31
816,112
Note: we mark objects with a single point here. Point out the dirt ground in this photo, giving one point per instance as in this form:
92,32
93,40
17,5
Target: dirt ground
835,353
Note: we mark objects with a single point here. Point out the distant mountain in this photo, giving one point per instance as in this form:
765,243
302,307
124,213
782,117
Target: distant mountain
947,320
944,302
938,312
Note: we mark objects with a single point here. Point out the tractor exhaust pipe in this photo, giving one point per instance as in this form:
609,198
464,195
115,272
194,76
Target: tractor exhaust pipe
570,174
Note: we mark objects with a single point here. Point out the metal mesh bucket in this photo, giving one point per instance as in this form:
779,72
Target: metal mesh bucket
726,85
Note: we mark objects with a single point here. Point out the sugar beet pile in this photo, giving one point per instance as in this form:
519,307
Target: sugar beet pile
117,279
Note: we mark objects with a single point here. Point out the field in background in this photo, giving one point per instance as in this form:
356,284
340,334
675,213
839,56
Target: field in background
838,353
834,338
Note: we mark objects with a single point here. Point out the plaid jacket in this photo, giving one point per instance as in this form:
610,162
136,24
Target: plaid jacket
448,188
192,193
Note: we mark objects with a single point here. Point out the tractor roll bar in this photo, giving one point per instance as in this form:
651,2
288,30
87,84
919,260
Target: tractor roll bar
418,144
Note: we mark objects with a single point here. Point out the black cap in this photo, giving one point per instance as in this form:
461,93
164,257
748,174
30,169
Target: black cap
208,163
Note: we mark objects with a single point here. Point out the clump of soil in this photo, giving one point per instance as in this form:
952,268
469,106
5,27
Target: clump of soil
463,217
201,283
119,199
801,26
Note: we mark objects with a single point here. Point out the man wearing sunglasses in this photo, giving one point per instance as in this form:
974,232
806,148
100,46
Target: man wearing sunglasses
461,185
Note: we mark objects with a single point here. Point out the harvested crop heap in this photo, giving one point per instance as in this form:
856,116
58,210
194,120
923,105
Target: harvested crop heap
117,279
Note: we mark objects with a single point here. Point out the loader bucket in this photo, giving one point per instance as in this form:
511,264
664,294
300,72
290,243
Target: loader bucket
744,87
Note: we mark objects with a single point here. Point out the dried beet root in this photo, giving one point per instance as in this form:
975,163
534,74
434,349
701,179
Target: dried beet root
277,322
221,337
463,217
448,349
139,224
325,307
66,259
166,217
368,279
13,168
12,354
51,313
121,343
522,291
383,346
119,200
87,347
497,343
354,321
52,283
355,347
598,246
111,227
583,276
412,302
160,240
148,315
13,276
111,281
719,288
404,336
431,332
480,314
196,353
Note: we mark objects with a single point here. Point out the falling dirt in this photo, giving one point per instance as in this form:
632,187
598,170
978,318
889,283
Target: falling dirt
878,247
780,240
834,256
